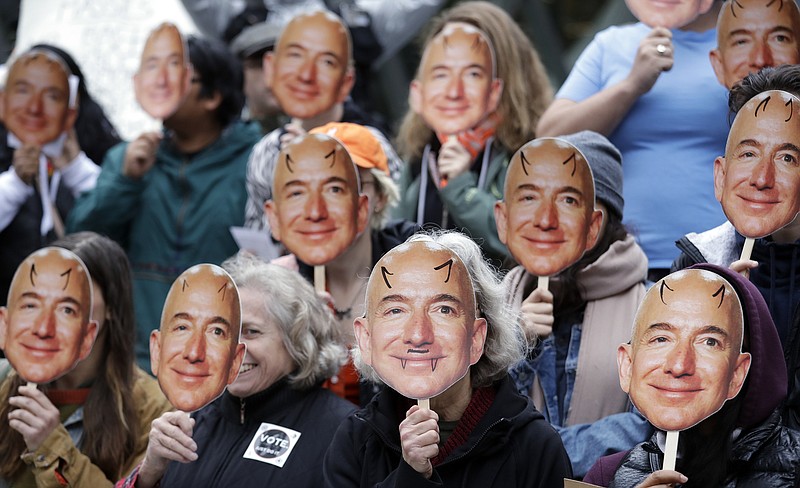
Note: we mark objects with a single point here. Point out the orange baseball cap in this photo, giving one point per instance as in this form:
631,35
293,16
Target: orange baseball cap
362,145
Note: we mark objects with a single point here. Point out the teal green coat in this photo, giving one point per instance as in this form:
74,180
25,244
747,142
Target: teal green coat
176,216
469,207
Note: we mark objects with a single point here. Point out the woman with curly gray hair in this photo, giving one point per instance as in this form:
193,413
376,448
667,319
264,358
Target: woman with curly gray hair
435,328
273,424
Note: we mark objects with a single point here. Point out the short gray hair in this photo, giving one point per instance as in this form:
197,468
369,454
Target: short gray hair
387,188
505,346
308,329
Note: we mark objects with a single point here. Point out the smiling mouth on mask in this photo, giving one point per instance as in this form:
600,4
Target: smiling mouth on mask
434,361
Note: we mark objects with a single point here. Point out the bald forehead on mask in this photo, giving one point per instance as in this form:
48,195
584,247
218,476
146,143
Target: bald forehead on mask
210,286
559,160
421,267
54,268
708,296
314,154
321,23
454,34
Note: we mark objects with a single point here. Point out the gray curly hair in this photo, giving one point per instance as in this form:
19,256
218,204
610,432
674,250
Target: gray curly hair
504,346
309,331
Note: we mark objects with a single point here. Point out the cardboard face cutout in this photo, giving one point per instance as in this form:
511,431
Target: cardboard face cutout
309,72
316,210
420,333
196,353
39,103
456,88
672,15
548,217
47,327
758,180
164,74
684,359
754,34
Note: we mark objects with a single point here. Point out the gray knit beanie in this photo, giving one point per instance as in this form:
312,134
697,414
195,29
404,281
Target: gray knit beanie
606,163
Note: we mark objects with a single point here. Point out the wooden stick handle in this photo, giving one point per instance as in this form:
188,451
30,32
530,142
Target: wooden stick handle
31,383
543,282
424,403
319,278
747,249
671,450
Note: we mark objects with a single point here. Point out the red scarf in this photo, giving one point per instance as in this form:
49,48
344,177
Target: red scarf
61,398
481,400
474,140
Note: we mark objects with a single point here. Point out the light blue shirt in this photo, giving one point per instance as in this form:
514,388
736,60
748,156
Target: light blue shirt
669,138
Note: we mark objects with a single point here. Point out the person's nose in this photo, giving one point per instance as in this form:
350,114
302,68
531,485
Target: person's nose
545,217
316,207
455,88
763,175
162,75
35,104
761,55
308,71
195,349
680,360
45,327
418,332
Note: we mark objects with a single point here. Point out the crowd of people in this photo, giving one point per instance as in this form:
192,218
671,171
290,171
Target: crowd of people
512,289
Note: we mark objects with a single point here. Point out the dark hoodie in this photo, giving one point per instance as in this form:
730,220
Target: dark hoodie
501,441
776,275
765,453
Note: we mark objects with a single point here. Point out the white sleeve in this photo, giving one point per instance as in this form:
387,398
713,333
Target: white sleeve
13,193
80,174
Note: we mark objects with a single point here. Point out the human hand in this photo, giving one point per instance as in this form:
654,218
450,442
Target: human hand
170,440
537,314
649,62
140,155
293,130
69,152
34,416
26,163
419,439
743,266
662,479
454,159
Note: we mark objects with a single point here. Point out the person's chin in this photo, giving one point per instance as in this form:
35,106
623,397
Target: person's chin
36,137
420,389
541,267
754,227
161,110
677,422
40,375
319,255
302,106
189,404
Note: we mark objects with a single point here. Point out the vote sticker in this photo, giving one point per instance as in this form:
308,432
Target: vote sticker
272,444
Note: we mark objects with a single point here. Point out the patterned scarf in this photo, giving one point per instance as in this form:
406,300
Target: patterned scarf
474,140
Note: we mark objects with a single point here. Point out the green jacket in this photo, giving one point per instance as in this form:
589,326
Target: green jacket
470,209
176,216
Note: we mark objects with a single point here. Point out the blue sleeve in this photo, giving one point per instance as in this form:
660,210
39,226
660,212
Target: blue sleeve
586,77
586,443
